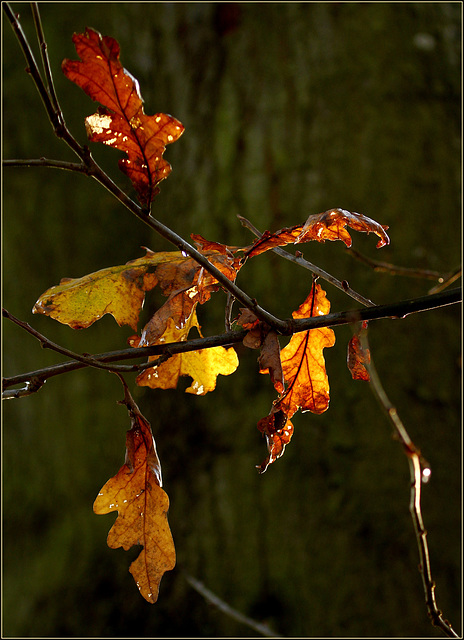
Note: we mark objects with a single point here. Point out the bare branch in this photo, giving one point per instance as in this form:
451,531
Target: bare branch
213,599
420,472
298,259
394,270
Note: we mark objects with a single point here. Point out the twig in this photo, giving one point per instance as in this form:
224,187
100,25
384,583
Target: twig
447,280
420,472
392,311
213,599
394,270
298,259
48,344
45,162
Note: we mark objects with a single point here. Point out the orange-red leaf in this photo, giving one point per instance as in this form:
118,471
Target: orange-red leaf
135,492
303,361
122,123
357,357
329,225
303,368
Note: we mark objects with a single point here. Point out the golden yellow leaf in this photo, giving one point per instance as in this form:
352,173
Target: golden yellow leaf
203,366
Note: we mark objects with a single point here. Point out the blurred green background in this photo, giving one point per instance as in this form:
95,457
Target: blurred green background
289,109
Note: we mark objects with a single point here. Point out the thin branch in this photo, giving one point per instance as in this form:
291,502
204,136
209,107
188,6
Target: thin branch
213,599
394,270
298,259
447,280
390,311
84,359
420,472
45,162
46,62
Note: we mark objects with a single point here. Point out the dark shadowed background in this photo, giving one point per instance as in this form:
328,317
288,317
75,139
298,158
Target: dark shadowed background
289,109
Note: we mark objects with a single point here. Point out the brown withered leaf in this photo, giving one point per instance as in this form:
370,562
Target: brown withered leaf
120,291
278,430
121,122
270,360
357,357
142,505
203,365
329,225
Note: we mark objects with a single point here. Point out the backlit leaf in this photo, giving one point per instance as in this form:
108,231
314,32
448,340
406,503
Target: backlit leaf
304,372
120,291
203,365
303,360
357,357
121,122
330,225
135,492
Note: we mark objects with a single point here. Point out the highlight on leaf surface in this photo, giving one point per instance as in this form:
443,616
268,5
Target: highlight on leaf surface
305,375
329,225
121,122
142,505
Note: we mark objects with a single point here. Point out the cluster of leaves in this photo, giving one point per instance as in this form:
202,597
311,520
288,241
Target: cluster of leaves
297,372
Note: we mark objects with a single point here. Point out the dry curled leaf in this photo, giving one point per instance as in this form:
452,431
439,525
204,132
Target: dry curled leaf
278,431
329,225
121,122
357,357
142,505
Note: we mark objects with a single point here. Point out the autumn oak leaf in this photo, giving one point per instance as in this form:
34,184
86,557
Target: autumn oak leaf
202,365
142,505
303,362
121,121
329,225
303,369
120,291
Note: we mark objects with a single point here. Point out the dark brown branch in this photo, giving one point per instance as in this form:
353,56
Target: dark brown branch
389,311
298,259
94,170
420,472
85,360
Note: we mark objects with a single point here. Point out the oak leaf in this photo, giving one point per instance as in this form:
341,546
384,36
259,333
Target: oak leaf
142,505
278,431
303,362
202,365
304,372
329,225
120,291
121,121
